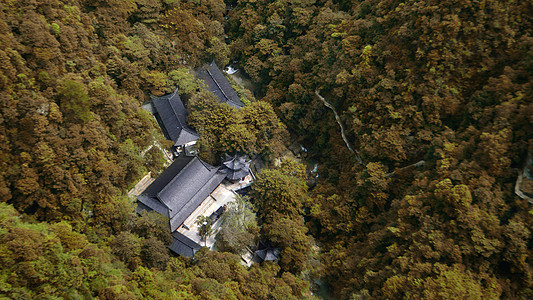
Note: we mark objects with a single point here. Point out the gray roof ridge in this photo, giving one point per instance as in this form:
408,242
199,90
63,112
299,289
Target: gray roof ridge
193,196
204,186
191,131
174,93
234,160
173,179
183,126
206,165
162,202
185,239
230,161
141,197
172,107
220,88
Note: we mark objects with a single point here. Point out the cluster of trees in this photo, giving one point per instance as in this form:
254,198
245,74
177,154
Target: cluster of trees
253,130
73,76
239,228
43,260
71,131
444,83
279,195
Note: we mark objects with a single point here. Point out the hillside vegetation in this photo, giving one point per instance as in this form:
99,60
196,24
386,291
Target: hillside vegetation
445,84
434,96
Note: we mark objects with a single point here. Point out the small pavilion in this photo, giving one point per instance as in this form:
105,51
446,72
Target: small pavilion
236,167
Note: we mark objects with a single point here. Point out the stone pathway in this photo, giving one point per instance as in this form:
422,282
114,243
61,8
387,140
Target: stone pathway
141,185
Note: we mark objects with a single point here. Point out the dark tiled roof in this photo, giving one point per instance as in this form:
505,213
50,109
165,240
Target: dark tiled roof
189,206
236,167
234,175
183,245
181,188
219,85
148,203
235,162
168,174
186,184
268,254
172,115
187,135
265,251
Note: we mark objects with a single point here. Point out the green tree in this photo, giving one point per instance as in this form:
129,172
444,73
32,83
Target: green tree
456,283
154,253
274,191
205,227
239,227
270,134
290,235
148,225
127,247
74,101
185,81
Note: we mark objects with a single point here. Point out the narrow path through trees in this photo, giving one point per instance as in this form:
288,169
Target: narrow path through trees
521,174
328,105
167,156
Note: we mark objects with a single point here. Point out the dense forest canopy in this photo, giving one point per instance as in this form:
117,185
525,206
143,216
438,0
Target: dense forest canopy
446,84
434,98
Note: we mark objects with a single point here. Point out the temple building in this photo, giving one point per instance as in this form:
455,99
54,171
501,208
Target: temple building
171,115
178,192
266,252
217,84
236,167
190,187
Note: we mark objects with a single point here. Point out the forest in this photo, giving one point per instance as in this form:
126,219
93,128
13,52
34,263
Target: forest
418,115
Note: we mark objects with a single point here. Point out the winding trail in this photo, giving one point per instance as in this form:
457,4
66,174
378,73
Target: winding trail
168,158
417,164
521,175
328,105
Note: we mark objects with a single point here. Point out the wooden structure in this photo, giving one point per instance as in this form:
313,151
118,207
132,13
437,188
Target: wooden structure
217,84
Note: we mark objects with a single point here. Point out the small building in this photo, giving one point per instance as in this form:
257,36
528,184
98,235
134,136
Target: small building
178,192
217,84
237,167
183,245
171,115
266,252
